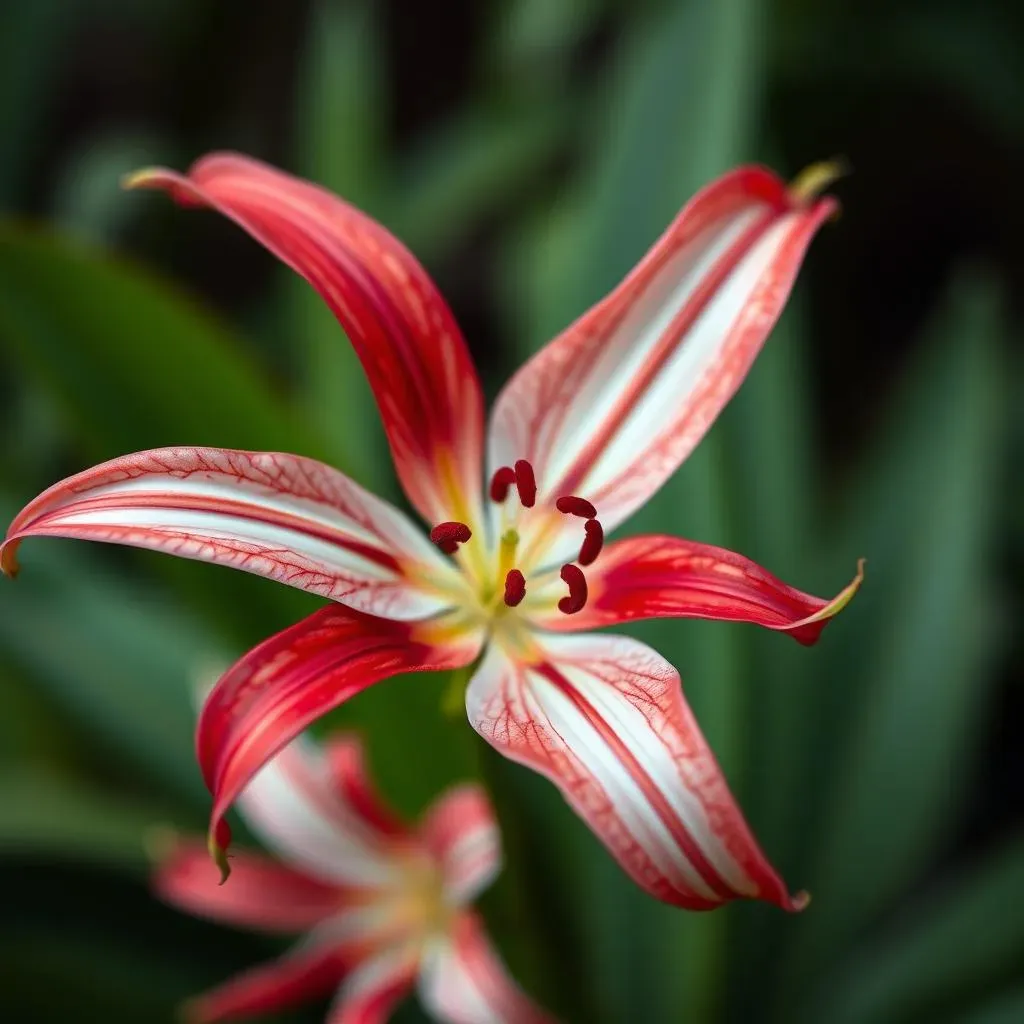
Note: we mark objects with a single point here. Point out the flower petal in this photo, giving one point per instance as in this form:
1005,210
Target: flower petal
654,576
310,971
276,690
375,987
603,717
351,781
462,833
293,805
401,328
263,894
462,981
289,518
612,406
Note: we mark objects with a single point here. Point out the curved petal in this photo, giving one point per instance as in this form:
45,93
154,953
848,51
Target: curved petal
263,894
294,806
375,987
462,981
603,717
654,576
612,406
460,830
308,972
289,518
401,328
347,761
276,690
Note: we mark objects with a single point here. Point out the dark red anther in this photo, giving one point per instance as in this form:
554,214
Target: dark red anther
573,576
502,480
448,536
573,506
515,587
526,483
592,543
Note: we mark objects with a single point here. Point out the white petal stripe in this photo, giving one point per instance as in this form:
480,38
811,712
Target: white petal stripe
282,516
293,807
604,718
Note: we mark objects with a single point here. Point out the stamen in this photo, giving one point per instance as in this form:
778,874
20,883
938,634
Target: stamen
573,576
592,543
502,480
515,587
448,536
526,483
573,506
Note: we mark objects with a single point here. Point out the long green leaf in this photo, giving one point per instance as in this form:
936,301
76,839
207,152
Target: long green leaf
960,940
908,670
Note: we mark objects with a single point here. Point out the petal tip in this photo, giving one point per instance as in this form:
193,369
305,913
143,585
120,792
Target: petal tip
9,560
799,902
144,177
220,857
813,180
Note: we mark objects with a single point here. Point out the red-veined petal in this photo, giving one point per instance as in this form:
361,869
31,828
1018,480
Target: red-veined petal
308,972
463,981
612,406
653,576
286,517
460,830
296,809
603,717
281,686
401,328
263,895
376,987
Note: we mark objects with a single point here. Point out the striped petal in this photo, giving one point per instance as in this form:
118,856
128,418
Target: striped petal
655,576
402,330
603,717
460,830
309,972
463,981
263,895
373,990
289,518
280,687
612,406
296,809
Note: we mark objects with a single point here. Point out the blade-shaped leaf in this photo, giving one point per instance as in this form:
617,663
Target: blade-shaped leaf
907,674
960,940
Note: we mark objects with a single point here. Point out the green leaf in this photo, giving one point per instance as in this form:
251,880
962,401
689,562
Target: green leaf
45,815
960,940
1005,1009
907,673
119,660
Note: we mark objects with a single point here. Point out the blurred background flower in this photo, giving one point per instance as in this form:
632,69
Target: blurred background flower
529,151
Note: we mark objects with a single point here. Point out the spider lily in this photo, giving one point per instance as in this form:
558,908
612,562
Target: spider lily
386,907
514,560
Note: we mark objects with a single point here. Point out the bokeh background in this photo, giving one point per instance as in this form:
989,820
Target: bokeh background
529,151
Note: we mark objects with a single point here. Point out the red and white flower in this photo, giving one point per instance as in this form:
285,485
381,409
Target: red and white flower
581,436
385,908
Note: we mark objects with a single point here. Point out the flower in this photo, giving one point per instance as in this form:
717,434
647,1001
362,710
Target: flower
386,908
579,438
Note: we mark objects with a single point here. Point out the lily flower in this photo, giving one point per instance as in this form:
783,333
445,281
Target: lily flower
514,559
386,908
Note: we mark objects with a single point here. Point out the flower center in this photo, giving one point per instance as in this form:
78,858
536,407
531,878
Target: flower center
510,580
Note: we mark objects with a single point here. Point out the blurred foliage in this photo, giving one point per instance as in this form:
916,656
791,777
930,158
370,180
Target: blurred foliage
529,151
